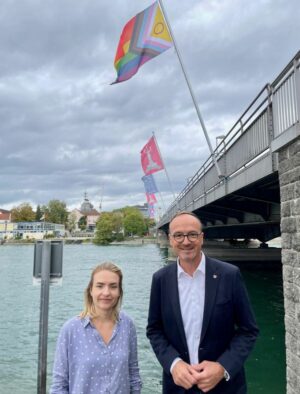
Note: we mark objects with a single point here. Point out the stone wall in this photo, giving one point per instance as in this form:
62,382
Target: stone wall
289,179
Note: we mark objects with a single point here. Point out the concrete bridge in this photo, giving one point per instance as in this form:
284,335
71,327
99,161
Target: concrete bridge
258,195
245,201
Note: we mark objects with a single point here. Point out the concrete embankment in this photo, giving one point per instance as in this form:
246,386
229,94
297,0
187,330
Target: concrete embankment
136,241
240,252
251,252
244,254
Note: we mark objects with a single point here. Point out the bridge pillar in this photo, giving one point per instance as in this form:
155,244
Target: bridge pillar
162,239
289,179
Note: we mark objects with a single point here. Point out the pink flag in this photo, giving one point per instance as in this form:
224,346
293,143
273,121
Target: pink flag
151,212
151,199
150,158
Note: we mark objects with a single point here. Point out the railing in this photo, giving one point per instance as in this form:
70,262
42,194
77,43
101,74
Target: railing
286,100
274,110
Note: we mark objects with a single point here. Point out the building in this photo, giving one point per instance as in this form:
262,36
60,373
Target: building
88,211
6,227
143,209
27,230
38,230
5,216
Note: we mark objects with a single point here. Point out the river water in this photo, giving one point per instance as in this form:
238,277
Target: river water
19,308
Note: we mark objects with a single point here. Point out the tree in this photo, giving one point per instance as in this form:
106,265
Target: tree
38,213
118,226
134,223
82,222
56,212
22,213
149,223
104,229
71,223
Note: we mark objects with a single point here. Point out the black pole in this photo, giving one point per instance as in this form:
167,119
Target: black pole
44,311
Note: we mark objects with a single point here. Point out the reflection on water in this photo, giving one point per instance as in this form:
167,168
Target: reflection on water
20,313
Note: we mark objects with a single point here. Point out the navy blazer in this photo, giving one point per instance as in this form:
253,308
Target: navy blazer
229,328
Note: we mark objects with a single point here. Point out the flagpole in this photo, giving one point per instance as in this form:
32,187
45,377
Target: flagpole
220,175
161,158
162,200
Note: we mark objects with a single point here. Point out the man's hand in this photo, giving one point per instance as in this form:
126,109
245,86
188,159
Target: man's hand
184,375
210,373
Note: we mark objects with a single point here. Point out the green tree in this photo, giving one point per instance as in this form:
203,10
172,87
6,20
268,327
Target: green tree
134,223
22,213
56,212
149,223
118,226
82,222
104,229
38,213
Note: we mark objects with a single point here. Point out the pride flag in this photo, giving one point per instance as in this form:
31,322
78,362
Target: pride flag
145,36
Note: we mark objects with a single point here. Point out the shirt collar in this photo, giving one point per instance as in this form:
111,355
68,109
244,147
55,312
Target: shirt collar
201,266
87,320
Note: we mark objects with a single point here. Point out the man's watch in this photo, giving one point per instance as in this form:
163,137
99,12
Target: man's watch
226,375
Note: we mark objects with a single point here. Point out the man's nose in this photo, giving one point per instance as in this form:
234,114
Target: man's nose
186,240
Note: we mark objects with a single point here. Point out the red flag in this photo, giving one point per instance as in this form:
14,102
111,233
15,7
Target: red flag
151,199
150,158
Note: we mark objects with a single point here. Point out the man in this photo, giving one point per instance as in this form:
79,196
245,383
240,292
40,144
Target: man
200,325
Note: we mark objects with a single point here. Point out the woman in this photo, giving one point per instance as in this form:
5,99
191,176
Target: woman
97,351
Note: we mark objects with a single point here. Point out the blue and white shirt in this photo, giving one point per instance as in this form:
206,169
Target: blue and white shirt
85,364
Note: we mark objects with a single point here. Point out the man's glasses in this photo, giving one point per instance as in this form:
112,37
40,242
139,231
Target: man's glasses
192,236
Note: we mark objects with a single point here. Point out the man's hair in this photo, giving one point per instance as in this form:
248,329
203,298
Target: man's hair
179,213
89,307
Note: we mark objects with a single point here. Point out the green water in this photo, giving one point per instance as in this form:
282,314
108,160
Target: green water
266,365
19,308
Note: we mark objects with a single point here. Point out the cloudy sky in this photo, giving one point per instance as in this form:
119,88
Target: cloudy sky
65,130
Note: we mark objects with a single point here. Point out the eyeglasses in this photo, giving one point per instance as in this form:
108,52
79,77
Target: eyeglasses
192,236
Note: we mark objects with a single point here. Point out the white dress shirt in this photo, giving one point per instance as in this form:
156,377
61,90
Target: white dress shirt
191,296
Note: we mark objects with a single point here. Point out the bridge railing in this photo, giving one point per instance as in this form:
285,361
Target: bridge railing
274,109
286,97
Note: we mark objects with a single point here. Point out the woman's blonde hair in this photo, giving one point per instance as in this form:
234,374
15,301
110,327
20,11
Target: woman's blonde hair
89,307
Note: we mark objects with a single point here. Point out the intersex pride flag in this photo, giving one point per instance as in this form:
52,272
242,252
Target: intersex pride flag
145,36
150,158
151,199
149,183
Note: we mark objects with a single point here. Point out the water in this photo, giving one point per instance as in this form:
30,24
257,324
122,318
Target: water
19,310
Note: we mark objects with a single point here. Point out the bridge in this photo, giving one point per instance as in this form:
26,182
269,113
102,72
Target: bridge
244,202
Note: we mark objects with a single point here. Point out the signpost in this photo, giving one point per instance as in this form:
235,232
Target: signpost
47,268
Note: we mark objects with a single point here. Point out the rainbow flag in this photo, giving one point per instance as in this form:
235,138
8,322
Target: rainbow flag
145,36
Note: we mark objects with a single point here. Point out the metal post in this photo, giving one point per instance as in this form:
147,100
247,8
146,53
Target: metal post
297,86
220,175
44,309
162,160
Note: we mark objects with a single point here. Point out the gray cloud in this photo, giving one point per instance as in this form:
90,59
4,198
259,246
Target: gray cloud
65,130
